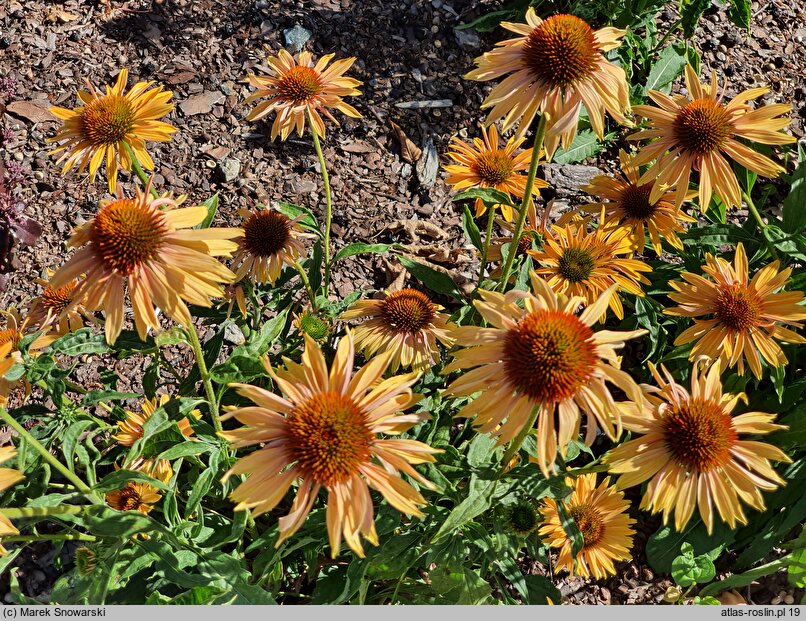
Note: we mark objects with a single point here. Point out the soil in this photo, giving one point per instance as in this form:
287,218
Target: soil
407,51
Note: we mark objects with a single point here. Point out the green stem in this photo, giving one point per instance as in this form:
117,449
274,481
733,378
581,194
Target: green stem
485,251
515,445
29,512
46,455
138,170
540,135
193,337
671,30
64,537
304,277
761,224
328,203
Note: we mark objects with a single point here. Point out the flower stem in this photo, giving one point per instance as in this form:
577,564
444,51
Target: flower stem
29,512
761,224
63,537
486,246
195,344
46,455
516,443
328,203
540,135
138,170
307,283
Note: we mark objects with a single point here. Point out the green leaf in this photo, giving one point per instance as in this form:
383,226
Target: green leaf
541,590
489,196
265,337
120,478
571,529
688,569
794,212
665,70
471,230
185,449
480,449
70,439
306,218
739,13
361,248
111,523
82,341
583,146
212,206
237,369
436,281
690,13
662,547
796,569
477,501
461,586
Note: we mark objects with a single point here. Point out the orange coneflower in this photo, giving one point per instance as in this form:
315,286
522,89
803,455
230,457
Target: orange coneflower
557,66
131,428
324,433
747,316
297,87
56,308
626,203
697,132
138,240
405,323
99,129
134,497
542,356
578,263
689,447
484,164
15,331
9,356
8,477
269,241
600,514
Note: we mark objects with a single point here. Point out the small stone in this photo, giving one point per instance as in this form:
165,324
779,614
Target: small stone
569,178
296,38
467,39
720,56
233,334
210,164
39,175
230,169
428,165
789,600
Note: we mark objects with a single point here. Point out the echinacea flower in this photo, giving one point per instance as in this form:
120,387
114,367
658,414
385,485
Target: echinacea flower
688,448
8,477
16,330
131,428
557,66
600,514
747,318
485,164
57,309
270,240
138,240
545,357
323,432
521,517
626,203
134,497
98,130
297,87
698,131
405,323
576,262
8,358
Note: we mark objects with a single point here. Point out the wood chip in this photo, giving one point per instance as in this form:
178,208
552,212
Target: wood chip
425,103
409,151
57,15
35,111
357,146
202,103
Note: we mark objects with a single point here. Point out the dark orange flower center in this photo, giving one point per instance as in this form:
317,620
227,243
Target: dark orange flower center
525,242
266,232
107,120
127,499
522,518
57,300
575,264
635,201
407,310
329,438
561,51
126,234
494,167
699,435
589,522
702,126
738,307
10,336
300,84
549,355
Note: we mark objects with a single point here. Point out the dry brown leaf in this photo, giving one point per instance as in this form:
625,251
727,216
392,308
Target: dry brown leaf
409,151
61,16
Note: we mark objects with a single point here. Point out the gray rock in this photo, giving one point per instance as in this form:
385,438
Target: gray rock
467,39
568,179
233,334
296,38
230,169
